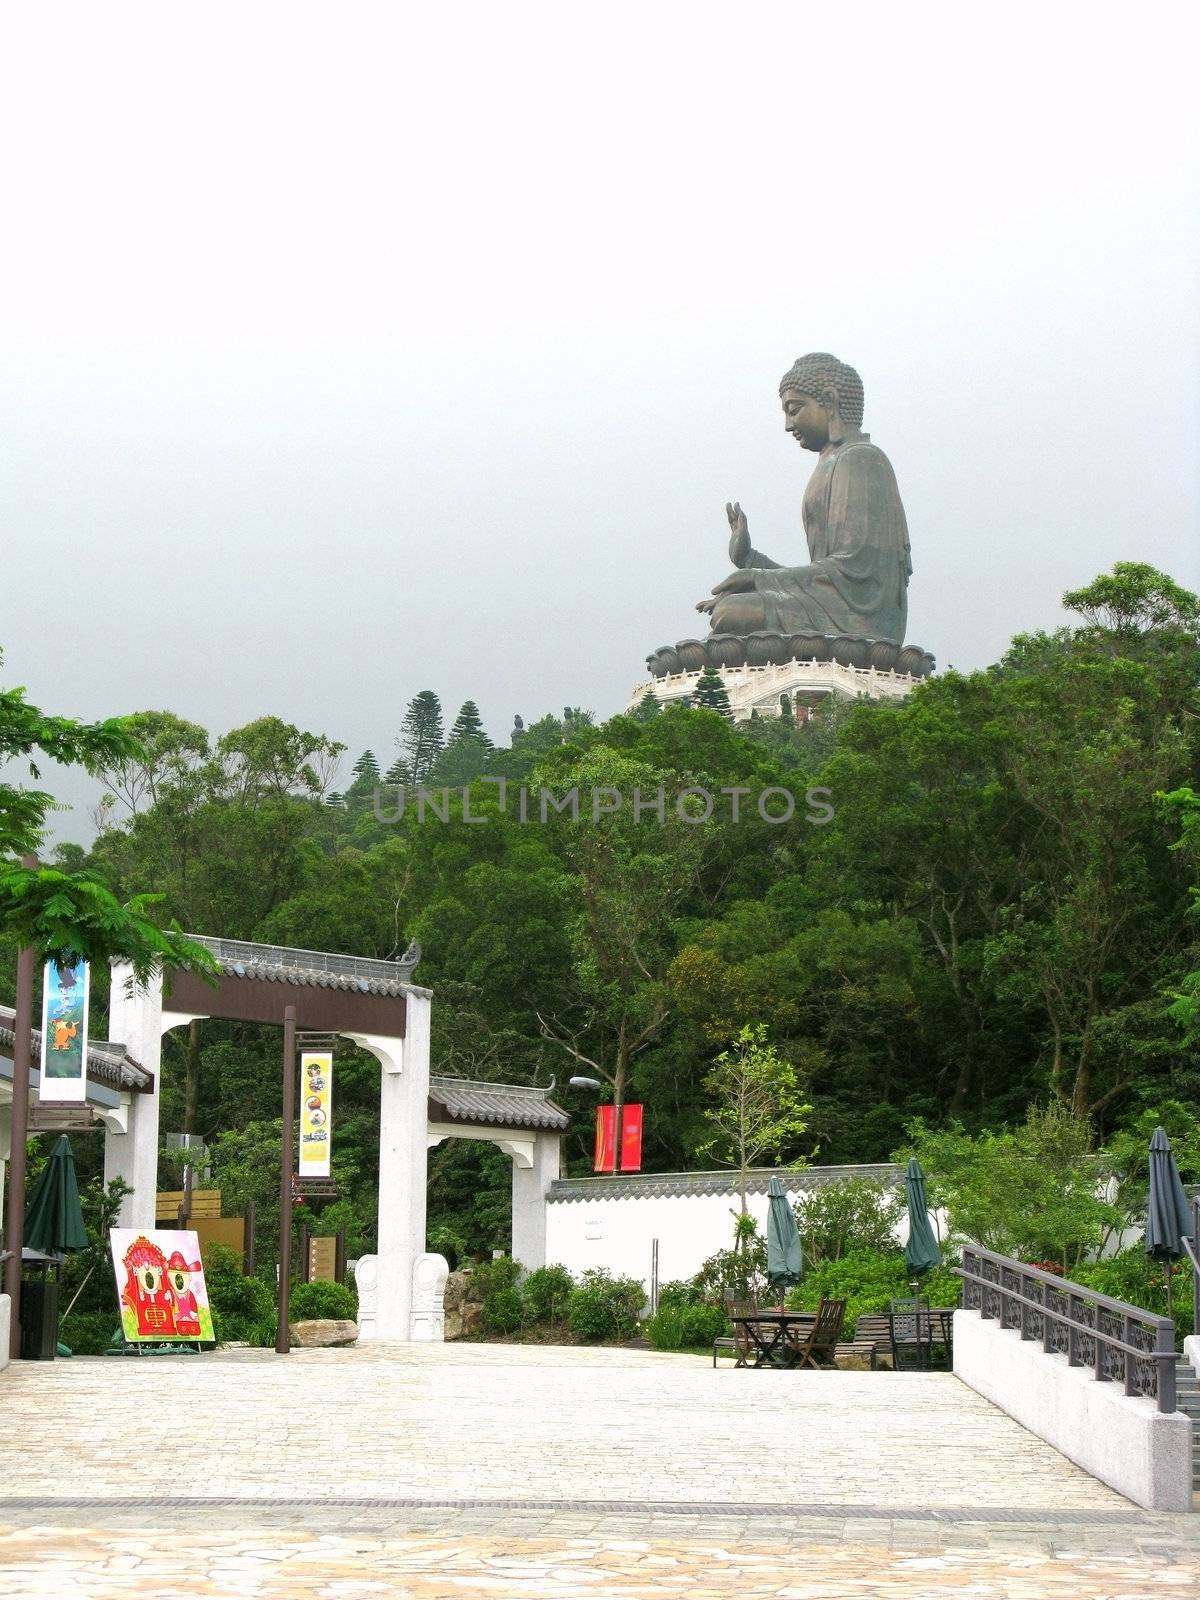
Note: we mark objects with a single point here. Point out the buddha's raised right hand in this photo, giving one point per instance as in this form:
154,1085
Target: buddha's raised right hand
739,534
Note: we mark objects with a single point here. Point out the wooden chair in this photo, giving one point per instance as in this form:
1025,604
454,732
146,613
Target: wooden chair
815,1346
739,1341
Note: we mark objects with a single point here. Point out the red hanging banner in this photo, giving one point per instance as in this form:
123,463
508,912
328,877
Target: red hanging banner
606,1139
606,1142
631,1138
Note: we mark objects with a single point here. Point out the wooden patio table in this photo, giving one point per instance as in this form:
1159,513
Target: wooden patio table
767,1332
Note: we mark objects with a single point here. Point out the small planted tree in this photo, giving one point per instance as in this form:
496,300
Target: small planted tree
756,1107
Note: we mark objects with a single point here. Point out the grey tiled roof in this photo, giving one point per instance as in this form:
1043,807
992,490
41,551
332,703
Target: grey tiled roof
503,1105
106,1062
634,1185
319,969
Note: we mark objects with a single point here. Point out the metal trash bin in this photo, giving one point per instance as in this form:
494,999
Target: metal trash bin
39,1310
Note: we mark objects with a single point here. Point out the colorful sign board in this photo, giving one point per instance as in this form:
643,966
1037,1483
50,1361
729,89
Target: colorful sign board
606,1139
160,1285
64,1032
316,1112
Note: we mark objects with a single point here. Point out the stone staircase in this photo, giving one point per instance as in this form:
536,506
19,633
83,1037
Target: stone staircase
1187,1392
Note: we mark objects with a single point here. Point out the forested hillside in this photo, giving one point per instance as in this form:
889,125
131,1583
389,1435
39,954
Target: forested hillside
998,913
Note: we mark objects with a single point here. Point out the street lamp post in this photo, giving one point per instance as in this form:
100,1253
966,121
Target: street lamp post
286,1163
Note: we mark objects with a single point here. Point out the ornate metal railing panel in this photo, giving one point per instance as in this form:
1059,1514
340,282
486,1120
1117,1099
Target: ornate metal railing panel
1120,1343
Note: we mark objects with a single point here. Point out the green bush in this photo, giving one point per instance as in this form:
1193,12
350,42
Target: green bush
738,1274
686,1327
504,1311
88,1333
604,1307
546,1293
679,1292
322,1298
489,1277
446,1241
856,1214
238,1303
868,1280
1134,1278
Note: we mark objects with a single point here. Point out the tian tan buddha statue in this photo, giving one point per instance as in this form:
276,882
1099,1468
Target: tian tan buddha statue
856,579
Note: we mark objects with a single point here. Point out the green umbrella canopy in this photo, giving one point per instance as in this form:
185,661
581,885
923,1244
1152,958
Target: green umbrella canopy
785,1259
1168,1214
53,1218
921,1253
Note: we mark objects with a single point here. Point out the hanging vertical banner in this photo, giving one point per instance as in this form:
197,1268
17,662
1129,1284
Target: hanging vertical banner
631,1138
316,1112
629,1144
606,1141
64,1032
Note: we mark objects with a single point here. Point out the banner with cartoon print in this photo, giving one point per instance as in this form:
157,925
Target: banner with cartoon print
160,1284
316,1112
64,1032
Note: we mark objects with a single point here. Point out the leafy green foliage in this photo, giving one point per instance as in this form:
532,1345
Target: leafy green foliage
444,1240
546,1293
686,1327
1031,1193
604,1306
736,1275
855,1214
89,1333
490,1277
504,1311
322,1298
756,1106
868,1281
679,1292
239,1305
1131,1276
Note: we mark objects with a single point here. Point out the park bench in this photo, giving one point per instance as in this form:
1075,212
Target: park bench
871,1334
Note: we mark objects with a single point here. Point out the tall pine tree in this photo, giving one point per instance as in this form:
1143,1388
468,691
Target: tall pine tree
468,727
421,737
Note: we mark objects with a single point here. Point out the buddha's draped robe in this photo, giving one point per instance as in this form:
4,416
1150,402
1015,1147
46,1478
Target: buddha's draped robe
857,582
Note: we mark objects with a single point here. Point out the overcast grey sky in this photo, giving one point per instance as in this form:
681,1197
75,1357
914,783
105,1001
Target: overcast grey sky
355,350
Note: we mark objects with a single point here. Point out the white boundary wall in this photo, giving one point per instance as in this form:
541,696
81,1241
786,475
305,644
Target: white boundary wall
613,1222
1124,1441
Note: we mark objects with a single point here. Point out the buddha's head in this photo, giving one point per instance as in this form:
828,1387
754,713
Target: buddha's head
822,400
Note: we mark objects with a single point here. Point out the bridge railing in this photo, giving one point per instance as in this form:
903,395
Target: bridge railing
1192,1246
1119,1342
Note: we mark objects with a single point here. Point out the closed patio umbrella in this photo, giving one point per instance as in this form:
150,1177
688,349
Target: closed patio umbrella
53,1217
921,1253
1168,1215
785,1258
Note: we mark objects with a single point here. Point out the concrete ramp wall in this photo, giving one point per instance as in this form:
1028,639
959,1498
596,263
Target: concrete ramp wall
1124,1441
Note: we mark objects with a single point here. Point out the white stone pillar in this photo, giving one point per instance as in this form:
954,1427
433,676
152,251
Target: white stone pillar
136,1021
403,1121
530,1186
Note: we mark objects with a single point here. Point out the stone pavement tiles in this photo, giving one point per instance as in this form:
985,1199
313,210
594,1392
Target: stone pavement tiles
491,1471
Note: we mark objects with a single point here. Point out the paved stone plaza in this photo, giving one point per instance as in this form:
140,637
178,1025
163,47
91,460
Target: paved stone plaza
473,1470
